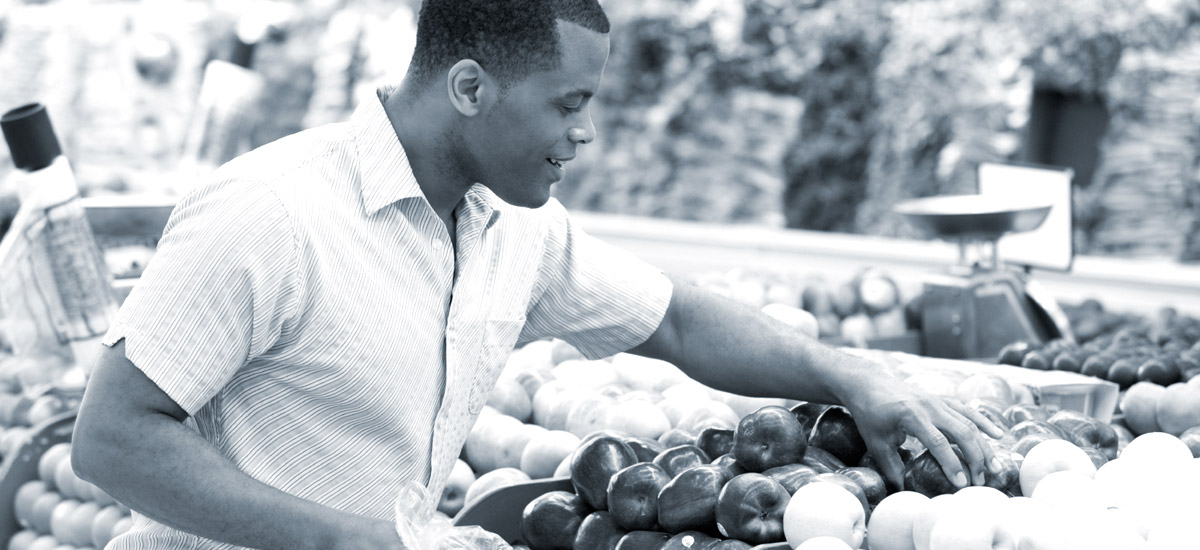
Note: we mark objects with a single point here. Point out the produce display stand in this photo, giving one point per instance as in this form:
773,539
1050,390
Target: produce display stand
499,511
23,466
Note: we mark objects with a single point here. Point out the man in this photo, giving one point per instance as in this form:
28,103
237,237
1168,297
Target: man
324,320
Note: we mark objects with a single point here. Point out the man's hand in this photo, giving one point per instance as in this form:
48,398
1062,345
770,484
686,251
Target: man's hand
736,348
886,409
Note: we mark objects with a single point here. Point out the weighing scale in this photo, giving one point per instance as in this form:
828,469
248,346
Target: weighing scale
973,309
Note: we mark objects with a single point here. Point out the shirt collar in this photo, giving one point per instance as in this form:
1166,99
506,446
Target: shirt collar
386,175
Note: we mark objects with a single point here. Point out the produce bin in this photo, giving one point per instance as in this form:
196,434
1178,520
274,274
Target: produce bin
499,511
23,466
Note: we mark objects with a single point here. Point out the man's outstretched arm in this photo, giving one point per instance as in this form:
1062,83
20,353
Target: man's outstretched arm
736,348
130,441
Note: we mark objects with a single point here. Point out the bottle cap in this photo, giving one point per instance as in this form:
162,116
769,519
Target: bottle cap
30,137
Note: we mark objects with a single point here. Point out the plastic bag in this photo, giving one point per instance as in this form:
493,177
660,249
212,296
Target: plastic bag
420,529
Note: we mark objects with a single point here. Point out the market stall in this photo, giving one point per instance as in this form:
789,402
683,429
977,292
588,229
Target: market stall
1087,358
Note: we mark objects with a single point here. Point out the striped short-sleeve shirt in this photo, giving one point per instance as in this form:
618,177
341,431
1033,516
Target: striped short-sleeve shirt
308,311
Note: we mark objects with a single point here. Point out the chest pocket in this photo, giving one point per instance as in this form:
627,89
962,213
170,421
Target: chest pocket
499,337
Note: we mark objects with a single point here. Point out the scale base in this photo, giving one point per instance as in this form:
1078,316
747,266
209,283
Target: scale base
973,316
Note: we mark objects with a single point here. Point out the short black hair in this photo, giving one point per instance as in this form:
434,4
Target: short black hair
510,39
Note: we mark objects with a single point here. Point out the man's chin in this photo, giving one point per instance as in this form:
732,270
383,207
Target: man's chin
525,201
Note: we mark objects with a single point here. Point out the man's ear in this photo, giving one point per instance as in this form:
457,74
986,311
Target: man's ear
468,86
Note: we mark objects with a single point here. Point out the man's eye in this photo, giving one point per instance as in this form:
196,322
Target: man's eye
572,108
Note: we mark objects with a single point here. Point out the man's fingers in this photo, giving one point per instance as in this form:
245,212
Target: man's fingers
890,464
983,422
958,425
939,446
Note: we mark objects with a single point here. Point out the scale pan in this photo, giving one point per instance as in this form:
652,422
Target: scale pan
973,216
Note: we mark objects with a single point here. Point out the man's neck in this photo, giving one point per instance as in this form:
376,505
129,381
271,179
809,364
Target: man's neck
420,130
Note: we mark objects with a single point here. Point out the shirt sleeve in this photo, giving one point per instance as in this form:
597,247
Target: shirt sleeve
595,296
216,294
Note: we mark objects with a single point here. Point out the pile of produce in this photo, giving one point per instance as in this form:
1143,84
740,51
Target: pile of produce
59,510
659,461
1122,349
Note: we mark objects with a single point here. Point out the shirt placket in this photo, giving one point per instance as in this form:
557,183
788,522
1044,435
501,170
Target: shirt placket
452,419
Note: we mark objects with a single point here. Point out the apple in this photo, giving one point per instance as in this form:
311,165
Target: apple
751,508
642,540
102,525
933,511
988,387
730,464
836,432
926,476
848,484
691,540
1030,441
769,437
821,460
1191,438
675,437
454,493
1086,432
727,544
532,381
599,531
807,413
645,448
1027,427
511,443
564,467
1138,407
633,495
870,480
1021,412
545,451
1053,455
990,411
594,464
638,417
490,481
824,543
551,521
1009,477
822,509
562,351
706,414
969,530
715,441
646,374
791,476
677,459
1071,490
891,523
1178,408
590,414
509,397
1157,451
689,500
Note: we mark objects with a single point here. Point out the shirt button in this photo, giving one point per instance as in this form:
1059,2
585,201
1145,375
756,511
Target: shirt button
438,244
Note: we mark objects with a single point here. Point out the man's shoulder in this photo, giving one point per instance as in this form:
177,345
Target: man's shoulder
304,152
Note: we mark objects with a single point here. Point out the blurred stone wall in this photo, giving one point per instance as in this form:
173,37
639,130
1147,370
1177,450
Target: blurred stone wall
875,102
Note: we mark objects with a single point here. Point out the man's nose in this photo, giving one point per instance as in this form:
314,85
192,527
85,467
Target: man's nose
582,134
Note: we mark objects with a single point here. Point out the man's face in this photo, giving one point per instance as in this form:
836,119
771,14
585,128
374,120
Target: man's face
521,144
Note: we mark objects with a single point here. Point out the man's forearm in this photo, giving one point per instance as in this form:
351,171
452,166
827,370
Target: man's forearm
164,470
734,347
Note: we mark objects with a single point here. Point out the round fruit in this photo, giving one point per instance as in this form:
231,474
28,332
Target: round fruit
48,463
551,521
